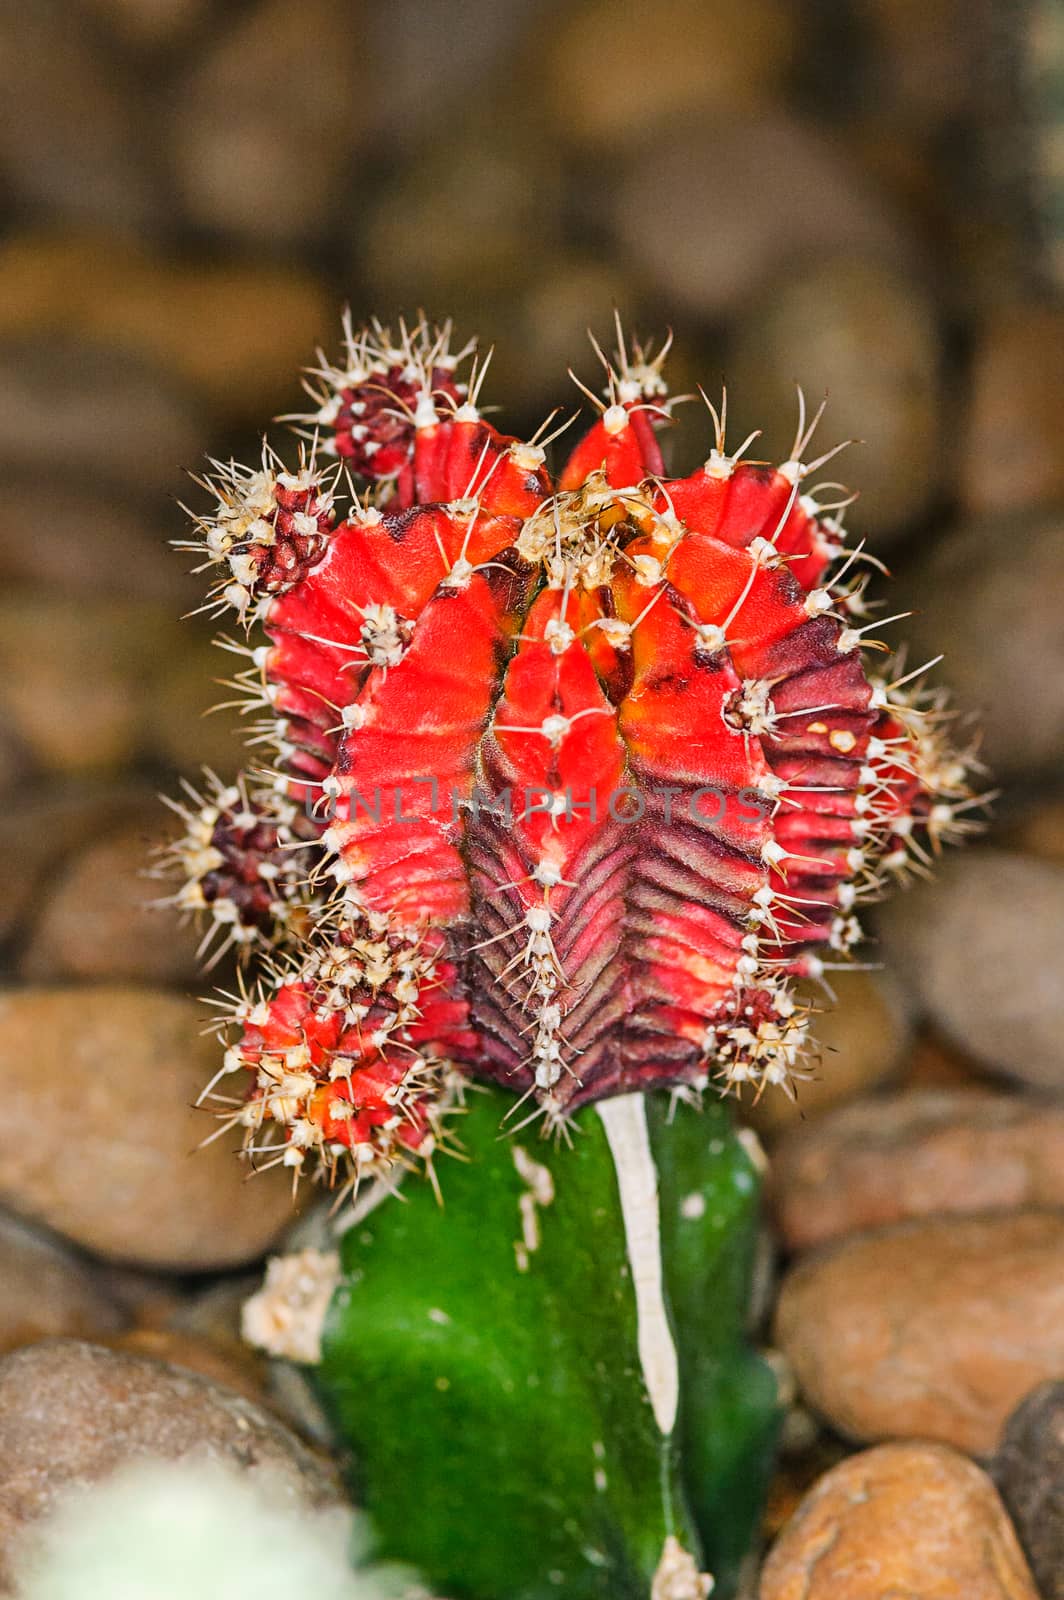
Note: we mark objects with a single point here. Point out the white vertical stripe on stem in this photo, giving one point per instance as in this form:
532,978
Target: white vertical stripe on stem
625,1121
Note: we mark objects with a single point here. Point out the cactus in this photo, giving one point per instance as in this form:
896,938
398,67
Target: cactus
582,778
578,1440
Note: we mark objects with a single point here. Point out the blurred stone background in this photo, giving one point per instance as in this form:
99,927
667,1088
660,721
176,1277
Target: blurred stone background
858,195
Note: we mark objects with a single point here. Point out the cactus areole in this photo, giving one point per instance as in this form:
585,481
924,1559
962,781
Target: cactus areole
561,783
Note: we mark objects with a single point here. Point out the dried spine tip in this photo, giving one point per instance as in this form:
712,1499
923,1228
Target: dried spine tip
573,781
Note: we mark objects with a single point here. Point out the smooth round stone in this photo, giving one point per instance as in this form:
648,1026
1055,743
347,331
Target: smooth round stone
75,675
987,595
863,335
92,543
49,1291
101,918
100,1084
72,1413
1011,458
922,1153
1028,1469
71,144
236,330
710,57
706,213
110,417
901,1522
264,125
932,1329
982,947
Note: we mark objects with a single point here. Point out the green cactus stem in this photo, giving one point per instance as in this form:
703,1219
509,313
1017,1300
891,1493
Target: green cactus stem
544,1382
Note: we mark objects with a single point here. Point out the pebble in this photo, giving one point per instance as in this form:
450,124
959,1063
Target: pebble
40,826
497,182
982,948
1039,831
864,335
90,544
70,141
862,1038
710,57
100,917
933,1064
908,1521
49,1291
72,1413
149,25
707,213
104,415
181,727
922,59
987,595
230,1368
237,331
542,332
264,126
14,770
429,68
935,1328
1011,458
215,1313
101,1135
74,675
923,1153
1028,1468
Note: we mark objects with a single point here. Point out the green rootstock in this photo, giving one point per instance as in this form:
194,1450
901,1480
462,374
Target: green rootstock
483,1361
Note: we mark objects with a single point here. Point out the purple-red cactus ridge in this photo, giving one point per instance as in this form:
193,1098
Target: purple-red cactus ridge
570,779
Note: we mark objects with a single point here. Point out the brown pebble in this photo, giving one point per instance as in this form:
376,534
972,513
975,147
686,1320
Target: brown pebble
706,214
73,1413
109,416
74,675
987,594
101,1134
44,825
181,726
184,1350
1028,1469
149,24
913,1155
982,947
237,331
497,180
70,140
429,67
90,543
932,1063
901,1522
265,123
1011,457
100,918
1039,831
934,1328
863,335
710,57
49,1291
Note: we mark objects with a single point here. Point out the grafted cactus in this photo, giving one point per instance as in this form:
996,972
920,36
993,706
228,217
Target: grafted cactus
582,777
